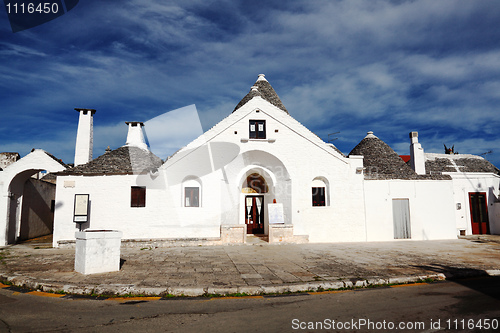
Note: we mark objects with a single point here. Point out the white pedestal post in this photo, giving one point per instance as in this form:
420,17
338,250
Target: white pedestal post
97,251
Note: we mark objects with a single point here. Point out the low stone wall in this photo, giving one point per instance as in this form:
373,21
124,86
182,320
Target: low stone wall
280,233
233,234
283,233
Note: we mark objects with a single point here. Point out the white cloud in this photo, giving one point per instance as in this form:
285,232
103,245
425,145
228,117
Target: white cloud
173,130
15,50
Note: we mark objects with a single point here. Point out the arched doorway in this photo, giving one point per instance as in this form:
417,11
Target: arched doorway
259,173
255,187
14,179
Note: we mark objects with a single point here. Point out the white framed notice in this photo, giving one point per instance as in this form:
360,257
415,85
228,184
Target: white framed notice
81,213
276,215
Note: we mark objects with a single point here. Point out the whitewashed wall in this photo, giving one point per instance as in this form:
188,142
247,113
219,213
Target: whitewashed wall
110,209
289,159
220,160
431,208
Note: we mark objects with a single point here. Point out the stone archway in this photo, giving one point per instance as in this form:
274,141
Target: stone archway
262,178
12,184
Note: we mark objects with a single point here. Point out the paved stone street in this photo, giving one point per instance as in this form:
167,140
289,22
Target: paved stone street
253,269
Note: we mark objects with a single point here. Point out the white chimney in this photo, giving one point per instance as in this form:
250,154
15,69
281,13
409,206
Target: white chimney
135,136
84,136
417,158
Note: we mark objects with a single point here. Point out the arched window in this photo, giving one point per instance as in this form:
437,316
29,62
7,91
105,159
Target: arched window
320,192
255,183
192,193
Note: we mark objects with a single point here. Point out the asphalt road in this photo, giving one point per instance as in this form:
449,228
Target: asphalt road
437,307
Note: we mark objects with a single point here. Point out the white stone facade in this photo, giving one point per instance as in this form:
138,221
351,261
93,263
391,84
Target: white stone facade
430,204
292,161
289,159
259,154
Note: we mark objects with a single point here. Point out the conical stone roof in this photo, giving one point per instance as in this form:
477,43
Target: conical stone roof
122,161
264,90
381,161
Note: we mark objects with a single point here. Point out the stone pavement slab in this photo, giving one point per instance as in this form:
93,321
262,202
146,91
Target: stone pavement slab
253,269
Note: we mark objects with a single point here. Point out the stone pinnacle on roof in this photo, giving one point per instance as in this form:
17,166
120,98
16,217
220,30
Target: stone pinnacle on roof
262,77
370,135
262,88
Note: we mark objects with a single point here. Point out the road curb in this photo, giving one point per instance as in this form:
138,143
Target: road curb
117,290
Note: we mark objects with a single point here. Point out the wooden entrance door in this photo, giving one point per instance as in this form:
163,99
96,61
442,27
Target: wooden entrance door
479,213
254,214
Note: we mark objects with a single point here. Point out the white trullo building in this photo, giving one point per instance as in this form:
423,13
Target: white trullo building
259,171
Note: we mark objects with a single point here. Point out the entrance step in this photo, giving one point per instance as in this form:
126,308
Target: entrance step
257,239
43,242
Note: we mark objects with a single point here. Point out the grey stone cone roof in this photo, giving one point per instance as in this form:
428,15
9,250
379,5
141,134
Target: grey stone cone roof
438,163
122,161
382,162
264,90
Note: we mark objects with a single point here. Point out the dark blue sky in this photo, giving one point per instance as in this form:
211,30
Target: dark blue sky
350,66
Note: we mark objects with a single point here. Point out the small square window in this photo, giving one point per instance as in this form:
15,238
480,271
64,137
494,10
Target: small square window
318,196
191,197
138,196
257,129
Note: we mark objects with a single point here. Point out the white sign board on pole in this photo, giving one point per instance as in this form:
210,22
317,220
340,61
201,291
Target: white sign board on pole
81,208
276,215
